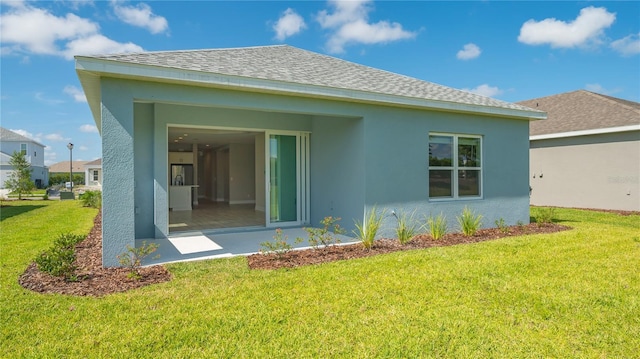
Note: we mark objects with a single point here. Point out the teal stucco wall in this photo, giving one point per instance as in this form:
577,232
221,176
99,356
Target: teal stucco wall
361,155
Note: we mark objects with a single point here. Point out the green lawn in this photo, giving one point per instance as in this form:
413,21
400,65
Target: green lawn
568,294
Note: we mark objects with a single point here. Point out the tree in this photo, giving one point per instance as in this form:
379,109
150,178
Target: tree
20,178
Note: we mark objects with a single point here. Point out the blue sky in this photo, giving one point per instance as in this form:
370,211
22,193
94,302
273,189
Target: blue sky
512,51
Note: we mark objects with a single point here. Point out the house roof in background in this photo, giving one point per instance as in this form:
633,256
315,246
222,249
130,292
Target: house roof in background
8,135
62,167
288,69
583,111
97,162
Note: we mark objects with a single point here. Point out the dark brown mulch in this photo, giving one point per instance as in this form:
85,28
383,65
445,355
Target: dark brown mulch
93,279
341,252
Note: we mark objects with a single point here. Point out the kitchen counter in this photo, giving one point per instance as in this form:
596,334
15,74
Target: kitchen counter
180,197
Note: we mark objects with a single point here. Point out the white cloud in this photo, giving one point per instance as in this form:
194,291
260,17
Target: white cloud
49,156
468,52
141,16
28,134
76,93
55,137
601,90
587,28
32,30
88,129
83,148
350,24
97,44
289,24
50,101
627,46
485,90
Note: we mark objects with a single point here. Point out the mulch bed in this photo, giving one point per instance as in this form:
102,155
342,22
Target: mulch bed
97,281
341,252
94,280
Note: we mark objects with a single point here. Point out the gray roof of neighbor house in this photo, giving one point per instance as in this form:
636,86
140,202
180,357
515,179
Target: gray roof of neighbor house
8,135
97,162
303,72
63,167
582,111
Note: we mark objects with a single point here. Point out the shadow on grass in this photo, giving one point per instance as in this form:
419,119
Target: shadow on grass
10,211
533,219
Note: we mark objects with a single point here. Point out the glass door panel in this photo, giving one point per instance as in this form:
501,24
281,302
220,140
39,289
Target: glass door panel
283,178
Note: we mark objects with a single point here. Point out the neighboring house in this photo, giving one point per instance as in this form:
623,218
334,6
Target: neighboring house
93,173
62,168
587,154
306,136
11,142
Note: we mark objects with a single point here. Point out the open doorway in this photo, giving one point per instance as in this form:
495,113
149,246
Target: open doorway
229,178
216,179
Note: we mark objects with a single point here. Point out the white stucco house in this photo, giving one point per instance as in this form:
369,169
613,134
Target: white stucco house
278,136
11,142
587,153
93,173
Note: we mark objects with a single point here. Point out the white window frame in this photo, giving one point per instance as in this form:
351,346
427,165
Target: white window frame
95,175
25,150
455,168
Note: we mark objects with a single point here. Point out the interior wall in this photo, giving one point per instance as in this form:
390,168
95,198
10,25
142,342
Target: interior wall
242,186
222,175
260,171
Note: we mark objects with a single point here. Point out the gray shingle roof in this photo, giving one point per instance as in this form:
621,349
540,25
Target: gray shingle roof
63,167
582,110
293,65
8,135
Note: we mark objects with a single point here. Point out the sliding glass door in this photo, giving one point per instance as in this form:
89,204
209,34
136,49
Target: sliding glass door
287,178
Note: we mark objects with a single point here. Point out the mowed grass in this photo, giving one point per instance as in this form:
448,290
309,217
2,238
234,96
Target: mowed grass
568,294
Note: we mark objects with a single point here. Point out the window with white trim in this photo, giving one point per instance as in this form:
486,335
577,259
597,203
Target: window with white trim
95,175
455,166
23,148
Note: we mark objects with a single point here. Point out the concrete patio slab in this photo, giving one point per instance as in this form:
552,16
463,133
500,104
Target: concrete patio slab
192,246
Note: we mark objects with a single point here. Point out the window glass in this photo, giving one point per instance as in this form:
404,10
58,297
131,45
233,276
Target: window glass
23,148
455,169
440,151
468,152
468,183
440,183
95,175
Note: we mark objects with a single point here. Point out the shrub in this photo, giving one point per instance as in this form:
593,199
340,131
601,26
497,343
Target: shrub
501,225
59,259
366,232
133,258
91,199
469,222
437,226
280,246
407,228
545,215
325,236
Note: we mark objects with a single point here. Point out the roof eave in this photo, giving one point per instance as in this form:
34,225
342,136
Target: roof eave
597,131
91,69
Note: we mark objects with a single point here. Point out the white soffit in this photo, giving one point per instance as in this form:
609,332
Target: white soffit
598,131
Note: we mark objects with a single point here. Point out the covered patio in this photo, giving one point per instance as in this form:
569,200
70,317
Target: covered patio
202,245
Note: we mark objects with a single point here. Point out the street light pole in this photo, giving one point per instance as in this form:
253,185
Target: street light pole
70,147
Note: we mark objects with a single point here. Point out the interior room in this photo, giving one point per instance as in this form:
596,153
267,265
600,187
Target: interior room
217,178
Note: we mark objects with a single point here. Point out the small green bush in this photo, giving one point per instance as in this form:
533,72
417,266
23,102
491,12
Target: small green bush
59,259
279,246
133,258
366,232
91,199
545,215
325,236
407,227
469,222
437,226
501,225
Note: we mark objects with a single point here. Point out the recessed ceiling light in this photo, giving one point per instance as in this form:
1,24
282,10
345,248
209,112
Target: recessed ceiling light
186,134
179,137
